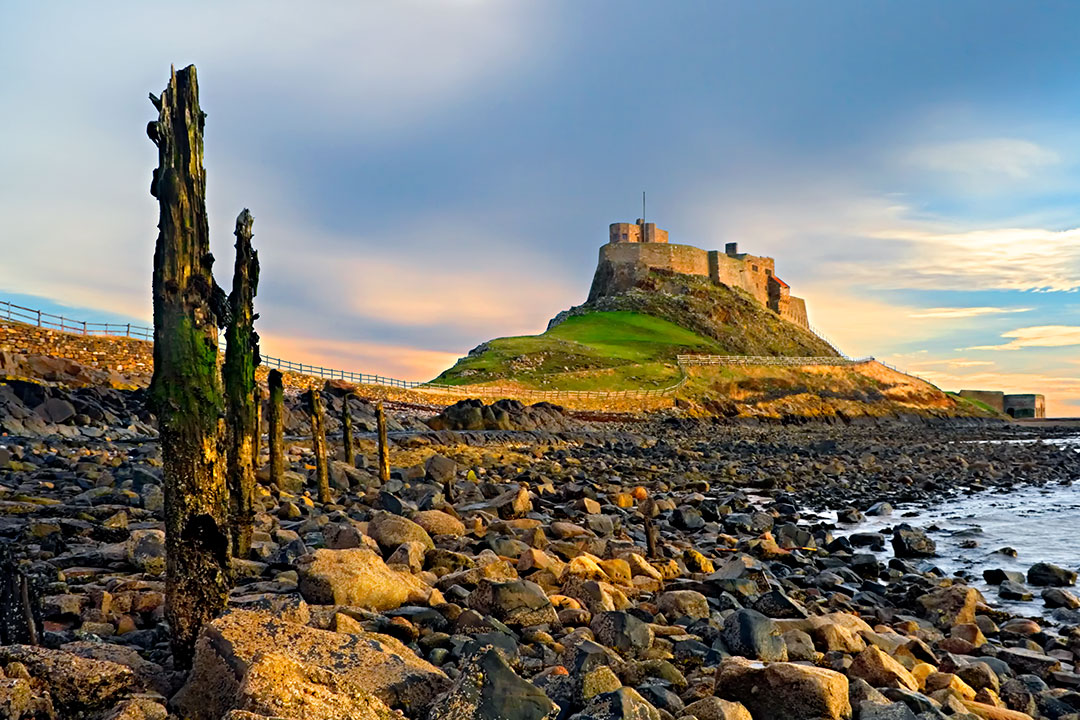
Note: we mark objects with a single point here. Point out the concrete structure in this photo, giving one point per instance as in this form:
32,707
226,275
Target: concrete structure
993,398
1023,405
636,249
1028,405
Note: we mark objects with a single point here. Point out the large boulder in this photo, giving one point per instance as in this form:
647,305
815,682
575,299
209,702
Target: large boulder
437,522
622,704
1047,574
951,606
752,635
881,670
489,689
280,687
357,577
228,647
517,602
684,603
391,530
714,708
784,690
76,684
909,542
621,631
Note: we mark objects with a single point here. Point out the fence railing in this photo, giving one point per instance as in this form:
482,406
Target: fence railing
51,321
825,338
333,374
687,360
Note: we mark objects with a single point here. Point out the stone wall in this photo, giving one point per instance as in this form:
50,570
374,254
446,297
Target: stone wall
993,398
124,355
624,265
795,312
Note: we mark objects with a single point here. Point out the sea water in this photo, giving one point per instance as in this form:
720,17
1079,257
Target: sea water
1042,524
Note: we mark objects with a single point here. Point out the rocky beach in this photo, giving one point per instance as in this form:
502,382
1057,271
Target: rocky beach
525,562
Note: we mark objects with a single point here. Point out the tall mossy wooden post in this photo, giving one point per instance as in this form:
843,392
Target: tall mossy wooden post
241,358
185,392
256,436
275,432
384,450
318,444
347,432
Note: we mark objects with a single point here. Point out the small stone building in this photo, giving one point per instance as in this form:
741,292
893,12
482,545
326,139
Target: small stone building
1028,405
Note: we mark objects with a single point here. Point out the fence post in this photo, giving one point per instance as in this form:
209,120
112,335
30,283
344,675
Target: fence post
39,318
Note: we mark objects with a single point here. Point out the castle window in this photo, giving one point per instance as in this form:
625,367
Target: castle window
768,272
755,268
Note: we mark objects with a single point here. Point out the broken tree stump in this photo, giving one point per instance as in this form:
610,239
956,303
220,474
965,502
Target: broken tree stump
185,392
347,432
384,450
318,444
275,432
241,358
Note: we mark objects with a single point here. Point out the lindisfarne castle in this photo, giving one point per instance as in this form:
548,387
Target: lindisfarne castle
636,249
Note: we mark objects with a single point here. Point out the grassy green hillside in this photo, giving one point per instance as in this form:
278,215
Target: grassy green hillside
630,341
602,350
730,316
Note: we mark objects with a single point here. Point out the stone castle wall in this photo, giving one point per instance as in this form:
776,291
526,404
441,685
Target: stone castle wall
125,355
749,272
624,265
796,312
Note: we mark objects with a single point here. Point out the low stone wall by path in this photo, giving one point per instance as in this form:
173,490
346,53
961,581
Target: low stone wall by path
124,355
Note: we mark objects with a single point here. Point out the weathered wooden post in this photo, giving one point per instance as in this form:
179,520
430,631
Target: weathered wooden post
20,603
318,444
241,358
384,450
276,432
651,533
185,392
346,431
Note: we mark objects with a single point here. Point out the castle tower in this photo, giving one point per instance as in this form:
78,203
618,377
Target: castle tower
638,232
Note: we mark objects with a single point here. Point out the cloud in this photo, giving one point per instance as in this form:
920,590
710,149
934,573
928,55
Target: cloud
969,363
1037,336
962,312
1001,259
1012,158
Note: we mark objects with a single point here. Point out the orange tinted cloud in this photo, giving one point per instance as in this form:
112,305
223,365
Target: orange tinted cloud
402,362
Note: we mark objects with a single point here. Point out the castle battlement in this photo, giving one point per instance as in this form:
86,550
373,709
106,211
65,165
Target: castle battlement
636,249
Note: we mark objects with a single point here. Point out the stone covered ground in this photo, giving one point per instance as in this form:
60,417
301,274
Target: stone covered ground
504,572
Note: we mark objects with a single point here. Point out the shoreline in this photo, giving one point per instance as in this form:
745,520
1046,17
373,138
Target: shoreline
557,516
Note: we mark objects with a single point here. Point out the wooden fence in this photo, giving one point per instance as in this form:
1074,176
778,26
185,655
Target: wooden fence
29,316
688,360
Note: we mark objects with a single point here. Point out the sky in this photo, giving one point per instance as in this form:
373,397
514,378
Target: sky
425,176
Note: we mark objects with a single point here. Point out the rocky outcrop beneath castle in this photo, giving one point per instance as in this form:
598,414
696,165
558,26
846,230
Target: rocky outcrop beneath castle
731,316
